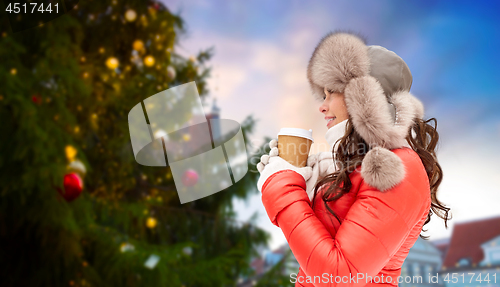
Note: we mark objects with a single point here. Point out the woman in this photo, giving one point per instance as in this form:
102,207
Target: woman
351,218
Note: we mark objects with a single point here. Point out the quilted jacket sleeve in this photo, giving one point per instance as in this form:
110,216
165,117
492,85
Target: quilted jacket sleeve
374,229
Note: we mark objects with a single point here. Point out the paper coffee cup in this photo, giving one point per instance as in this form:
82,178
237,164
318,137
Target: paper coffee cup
294,145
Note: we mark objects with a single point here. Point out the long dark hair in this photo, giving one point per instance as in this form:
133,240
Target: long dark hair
422,138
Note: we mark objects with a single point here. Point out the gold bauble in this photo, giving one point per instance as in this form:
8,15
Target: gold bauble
112,63
151,222
70,152
149,61
138,45
130,15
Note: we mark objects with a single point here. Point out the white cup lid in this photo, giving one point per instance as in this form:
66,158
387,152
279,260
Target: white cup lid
297,133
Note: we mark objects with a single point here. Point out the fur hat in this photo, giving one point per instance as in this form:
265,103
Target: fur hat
376,83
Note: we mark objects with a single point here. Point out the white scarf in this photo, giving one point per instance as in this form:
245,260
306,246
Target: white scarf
334,133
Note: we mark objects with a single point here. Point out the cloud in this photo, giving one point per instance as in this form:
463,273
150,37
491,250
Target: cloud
226,79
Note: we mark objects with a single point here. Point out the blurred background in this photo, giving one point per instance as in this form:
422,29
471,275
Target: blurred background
77,210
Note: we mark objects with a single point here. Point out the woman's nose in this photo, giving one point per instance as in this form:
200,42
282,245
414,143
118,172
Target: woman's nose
323,108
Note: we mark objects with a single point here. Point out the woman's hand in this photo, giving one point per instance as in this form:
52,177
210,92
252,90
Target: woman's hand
272,163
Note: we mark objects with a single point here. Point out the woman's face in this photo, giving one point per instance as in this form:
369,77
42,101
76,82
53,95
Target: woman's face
334,108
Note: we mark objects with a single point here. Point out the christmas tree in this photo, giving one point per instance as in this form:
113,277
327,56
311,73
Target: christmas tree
75,207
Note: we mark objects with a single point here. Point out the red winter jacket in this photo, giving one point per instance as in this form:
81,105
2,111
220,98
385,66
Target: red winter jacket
377,228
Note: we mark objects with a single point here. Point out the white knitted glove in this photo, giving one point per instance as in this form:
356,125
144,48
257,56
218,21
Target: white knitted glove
272,163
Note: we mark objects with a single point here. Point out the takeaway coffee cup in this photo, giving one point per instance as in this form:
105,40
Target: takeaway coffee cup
294,145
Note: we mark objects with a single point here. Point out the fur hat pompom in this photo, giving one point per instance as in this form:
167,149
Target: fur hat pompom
382,169
338,58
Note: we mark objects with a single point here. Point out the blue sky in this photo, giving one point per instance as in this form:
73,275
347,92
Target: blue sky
261,53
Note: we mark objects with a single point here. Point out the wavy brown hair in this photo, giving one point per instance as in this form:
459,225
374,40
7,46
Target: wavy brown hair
422,138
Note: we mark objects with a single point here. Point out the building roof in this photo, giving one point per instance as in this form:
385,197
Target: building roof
467,238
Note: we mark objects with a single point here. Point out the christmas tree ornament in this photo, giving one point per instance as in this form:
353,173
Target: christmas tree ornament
152,261
187,250
13,71
171,72
152,11
192,59
144,20
72,187
125,246
138,45
149,61
77,166
160,133
151,222
36,99
136,60
112,63
130,15
190,177
70,152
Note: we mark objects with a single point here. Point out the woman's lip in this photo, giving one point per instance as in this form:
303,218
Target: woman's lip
330,122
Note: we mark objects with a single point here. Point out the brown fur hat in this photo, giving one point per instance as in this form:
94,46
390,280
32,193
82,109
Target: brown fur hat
376,83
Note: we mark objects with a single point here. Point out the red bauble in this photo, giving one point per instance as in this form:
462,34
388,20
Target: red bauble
36,99
73,186
190,177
